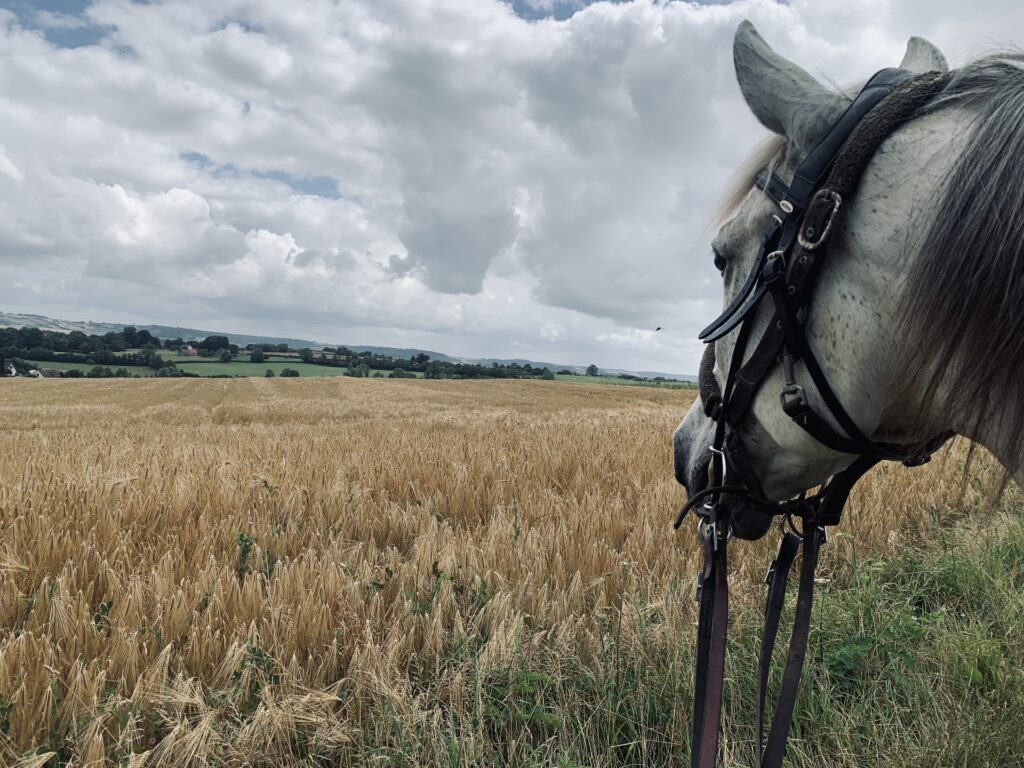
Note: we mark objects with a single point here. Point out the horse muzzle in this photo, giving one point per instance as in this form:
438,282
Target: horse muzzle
692,462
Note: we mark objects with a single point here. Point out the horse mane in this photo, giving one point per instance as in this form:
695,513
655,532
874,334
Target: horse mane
962,312
742,179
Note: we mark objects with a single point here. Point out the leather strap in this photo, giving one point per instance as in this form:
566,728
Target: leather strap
816,166
771,185
776,747
778,576
712,628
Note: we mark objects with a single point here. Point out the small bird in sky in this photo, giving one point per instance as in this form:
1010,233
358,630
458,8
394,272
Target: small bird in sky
658,328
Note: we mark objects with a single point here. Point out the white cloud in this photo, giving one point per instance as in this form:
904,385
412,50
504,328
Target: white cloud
8,168
507,187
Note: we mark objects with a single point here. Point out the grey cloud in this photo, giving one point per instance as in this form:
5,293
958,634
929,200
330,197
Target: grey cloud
502,185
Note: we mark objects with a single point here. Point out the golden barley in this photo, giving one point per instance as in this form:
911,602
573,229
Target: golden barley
254,570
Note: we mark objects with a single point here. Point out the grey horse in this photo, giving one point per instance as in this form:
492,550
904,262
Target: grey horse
918,316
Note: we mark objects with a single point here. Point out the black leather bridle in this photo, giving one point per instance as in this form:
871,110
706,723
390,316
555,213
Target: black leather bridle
784,273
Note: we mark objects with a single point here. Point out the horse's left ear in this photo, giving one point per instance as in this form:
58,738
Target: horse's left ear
782,96
922,56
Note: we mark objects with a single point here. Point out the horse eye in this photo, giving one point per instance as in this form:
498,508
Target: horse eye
719,260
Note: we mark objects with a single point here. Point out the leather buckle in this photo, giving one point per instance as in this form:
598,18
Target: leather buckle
792,399
817,223
774,267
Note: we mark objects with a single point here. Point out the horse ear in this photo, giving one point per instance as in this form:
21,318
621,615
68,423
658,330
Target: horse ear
784,97
922,56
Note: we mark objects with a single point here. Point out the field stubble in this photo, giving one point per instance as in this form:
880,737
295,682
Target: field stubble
342,571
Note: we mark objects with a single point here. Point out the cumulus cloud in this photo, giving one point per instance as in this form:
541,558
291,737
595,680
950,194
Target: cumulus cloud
487,177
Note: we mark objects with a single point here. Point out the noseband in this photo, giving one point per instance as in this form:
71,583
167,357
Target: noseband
785,273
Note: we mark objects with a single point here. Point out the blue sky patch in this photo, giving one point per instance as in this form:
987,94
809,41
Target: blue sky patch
78,30
316,186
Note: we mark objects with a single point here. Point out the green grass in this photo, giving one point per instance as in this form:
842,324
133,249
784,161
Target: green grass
915,661
241,366
625,382
245,368
135,370
214,368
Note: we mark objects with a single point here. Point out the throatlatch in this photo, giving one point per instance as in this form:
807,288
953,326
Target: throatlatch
785,270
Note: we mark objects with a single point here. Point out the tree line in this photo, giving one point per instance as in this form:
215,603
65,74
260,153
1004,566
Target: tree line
116,353
363,364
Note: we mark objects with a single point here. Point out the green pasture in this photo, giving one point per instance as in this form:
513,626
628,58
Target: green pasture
211,366
626,382
135,370
240,368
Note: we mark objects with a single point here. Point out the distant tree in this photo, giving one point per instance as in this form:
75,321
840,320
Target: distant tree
131,336
145,337
214,343
257,356
358,371
281,348
225,356
150,358
269,374
421,359
592,370
433,371
30,337
289,373
306,355
566,372
547,375
75,339
400,373
114,342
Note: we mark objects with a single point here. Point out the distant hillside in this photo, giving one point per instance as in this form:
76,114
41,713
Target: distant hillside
161,331
173,332
399,352
577,368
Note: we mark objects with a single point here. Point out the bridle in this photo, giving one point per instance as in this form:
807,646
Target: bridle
784,273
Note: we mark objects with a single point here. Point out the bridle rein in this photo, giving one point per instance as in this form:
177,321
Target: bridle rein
785,271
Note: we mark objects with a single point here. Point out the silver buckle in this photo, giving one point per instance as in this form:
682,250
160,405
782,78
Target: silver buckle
813,240
794,391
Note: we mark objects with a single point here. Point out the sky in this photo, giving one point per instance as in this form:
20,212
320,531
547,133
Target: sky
486,178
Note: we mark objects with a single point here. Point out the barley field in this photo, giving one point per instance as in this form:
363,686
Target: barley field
394,572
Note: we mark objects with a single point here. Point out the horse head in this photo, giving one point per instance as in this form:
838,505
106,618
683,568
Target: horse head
859,292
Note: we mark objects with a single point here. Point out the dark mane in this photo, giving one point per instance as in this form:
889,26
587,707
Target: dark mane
963,311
